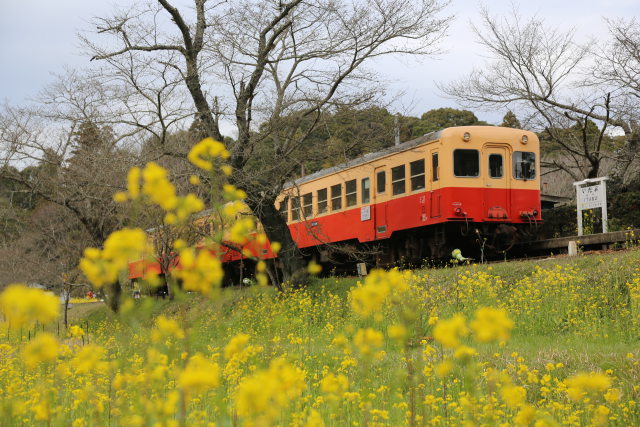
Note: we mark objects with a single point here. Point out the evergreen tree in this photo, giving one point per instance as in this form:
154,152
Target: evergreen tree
511,121
440,118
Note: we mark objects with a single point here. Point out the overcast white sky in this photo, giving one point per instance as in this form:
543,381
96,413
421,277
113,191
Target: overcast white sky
38,38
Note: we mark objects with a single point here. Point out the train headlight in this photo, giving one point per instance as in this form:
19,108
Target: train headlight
525,139
466,137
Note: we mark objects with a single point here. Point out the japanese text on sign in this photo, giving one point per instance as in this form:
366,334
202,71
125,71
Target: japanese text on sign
590,197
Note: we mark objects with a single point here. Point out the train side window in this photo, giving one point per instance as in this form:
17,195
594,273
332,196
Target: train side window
351,191
434,167
322,201
336,197
381,182
284,208
397,179
495,166
365,190
524,165
307,205
417,175
295,208
466,163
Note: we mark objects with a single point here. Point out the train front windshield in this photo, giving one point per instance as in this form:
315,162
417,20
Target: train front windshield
524,165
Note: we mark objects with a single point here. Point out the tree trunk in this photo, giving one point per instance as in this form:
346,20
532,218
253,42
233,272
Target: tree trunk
171,286
113,298
276,229
192,81
66,309
595,168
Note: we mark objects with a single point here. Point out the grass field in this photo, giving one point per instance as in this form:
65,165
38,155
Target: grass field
552,342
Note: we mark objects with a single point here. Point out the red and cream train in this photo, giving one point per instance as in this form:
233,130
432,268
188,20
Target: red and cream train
463,187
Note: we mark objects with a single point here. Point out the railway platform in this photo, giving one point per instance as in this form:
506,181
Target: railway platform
588,241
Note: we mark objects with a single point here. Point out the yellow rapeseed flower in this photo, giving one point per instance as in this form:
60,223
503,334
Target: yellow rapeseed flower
241,230
199,375
444,368
379,285
200,271
464,353
231,193
204,152
158,187
103,266
133,182
449,332
124,245
187,205
314,419
75,331
314,268
397,332
120,197
612,395
601,416
514,396
236,345
368,340
231,209
491,324
334,385
42,349
89,359
166,328
22,306
275,247
262,396
525,416
582,383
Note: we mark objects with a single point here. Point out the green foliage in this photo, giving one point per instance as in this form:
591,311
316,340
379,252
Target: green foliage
440,118
511,121
623,204
627,210
333,137
580,137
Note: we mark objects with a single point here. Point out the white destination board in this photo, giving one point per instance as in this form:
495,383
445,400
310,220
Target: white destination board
365,213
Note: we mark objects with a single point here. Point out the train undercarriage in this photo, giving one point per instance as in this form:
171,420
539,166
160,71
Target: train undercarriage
407,248
426,245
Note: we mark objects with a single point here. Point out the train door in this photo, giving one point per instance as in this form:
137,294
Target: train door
496,181
379,202
434,183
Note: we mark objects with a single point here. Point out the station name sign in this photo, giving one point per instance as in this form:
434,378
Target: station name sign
591,194
592,197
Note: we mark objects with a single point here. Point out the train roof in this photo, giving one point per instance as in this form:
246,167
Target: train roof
432,136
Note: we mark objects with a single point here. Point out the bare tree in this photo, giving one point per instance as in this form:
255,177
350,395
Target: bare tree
70,163
617,67
62,172
275,64
539,71
619,62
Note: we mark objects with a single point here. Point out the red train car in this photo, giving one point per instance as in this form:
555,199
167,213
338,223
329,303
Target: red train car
462,187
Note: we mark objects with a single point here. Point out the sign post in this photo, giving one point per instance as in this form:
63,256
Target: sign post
591,194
